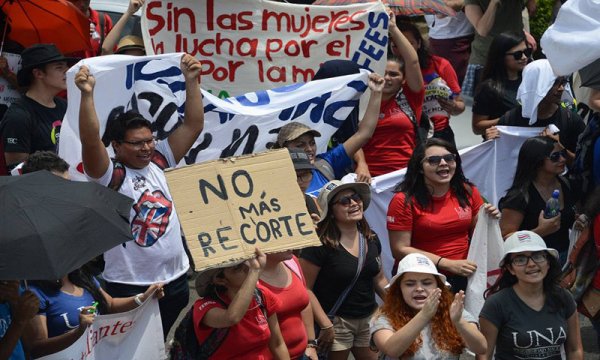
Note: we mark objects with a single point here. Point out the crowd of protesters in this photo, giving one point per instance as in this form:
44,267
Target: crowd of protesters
321,302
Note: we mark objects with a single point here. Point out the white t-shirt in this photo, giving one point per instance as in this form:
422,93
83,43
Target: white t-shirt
157,253
449,27
428,350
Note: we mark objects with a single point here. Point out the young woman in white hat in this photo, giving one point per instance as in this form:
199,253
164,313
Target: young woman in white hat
421,319
526,314
344,273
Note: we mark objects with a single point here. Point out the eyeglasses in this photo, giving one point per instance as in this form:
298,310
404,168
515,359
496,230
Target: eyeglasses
140,144
303,177
347,200
522,260
517,55
555,156
435,160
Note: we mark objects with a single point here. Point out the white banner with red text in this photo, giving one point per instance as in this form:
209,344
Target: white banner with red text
254,45
133,335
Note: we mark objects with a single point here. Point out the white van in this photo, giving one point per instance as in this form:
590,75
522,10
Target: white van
116,8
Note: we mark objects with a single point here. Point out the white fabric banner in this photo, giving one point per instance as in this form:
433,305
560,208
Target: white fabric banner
134,335
573,41
257,44
486,251
246,124
490,166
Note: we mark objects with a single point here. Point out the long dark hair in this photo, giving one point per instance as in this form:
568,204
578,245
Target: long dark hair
532,154
551,285
423,52
494,72
414,185
79,278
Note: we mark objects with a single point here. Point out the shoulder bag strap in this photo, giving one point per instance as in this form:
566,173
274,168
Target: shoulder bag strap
362,255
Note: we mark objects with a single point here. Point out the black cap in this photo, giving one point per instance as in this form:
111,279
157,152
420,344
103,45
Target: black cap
36,55
300,159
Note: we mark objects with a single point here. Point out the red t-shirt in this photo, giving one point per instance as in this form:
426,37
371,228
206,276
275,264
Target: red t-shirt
393,141
294,299
442,229
248,339
439,67
95,34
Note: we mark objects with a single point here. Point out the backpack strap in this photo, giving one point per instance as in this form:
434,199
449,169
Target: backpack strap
118,175
160,160
325,168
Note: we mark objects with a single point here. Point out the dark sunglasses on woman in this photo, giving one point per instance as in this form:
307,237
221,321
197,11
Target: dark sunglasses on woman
555,156
519,54
435,160
347,200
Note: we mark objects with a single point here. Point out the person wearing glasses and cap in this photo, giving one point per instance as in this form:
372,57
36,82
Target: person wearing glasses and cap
33,122
344,273
333,163
420,317
526,314
157,253
541,162
434,211
540,95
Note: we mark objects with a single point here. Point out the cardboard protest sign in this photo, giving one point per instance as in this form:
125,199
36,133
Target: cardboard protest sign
248,123
136,334
256,44
228,207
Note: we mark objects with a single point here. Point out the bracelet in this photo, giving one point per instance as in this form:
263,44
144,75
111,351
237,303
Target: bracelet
437,264
138,299
327,327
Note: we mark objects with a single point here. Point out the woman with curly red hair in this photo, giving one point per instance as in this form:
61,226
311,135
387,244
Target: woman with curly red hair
421,319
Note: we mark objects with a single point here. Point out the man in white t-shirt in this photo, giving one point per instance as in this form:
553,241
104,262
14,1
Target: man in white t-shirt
157,253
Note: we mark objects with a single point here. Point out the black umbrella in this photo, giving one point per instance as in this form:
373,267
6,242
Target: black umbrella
50,226
590,75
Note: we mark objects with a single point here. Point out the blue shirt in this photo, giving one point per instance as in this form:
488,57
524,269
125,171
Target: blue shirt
339,161
61,309
5,320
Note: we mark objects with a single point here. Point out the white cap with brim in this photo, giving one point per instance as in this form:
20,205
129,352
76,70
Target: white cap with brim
330,190
416,263
524,240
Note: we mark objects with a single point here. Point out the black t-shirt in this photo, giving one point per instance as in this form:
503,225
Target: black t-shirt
569,123
515,200
338,268
28,126
494,103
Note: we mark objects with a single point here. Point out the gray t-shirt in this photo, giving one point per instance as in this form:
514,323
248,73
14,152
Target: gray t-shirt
524,333
429,350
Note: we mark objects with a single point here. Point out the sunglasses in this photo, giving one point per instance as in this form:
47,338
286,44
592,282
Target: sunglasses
555,156
522,260
137,145
435,160
518,55
347,200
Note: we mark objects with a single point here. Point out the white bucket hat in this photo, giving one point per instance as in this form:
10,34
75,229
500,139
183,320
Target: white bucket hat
525,240
417,263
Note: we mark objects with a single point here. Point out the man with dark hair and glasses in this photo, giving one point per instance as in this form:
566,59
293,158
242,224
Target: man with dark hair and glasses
157,254
544,111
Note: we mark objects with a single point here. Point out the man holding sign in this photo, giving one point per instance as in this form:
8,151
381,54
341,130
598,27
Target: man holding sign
157,253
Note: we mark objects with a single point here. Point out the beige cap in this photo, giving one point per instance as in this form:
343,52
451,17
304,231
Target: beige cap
293,131
130,42
329,190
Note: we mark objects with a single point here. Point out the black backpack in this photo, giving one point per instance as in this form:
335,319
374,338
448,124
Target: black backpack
185,345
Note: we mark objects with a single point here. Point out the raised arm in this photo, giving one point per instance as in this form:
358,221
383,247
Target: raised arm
182,139
412,70
94,155
115,33
367,125
482,21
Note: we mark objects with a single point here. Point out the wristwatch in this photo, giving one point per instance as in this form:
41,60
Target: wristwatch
312,343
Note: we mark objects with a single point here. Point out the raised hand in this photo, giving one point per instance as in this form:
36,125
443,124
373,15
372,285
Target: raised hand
376,82
84,80
431,303
190,67
258,262
134,6
457,307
